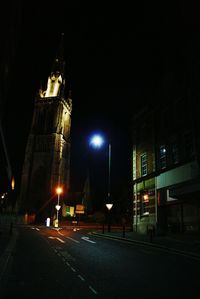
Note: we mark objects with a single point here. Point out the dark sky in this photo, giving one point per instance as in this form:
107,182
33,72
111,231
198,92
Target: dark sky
118,56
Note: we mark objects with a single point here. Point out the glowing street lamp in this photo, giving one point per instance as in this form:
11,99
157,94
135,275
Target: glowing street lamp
58,191
97,141
13,183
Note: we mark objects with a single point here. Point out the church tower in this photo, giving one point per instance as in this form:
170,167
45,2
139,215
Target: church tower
47,157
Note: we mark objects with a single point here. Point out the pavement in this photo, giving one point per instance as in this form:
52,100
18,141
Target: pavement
184,244
5,237
8,236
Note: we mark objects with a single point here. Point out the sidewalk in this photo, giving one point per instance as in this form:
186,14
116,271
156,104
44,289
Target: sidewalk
188,245
5,236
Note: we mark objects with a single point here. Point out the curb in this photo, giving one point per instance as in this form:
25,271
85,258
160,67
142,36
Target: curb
143,243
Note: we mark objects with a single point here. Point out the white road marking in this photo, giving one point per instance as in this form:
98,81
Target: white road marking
67,256
81,277
73,269
60,240
73,240
87,239
35,228
93,290
60,233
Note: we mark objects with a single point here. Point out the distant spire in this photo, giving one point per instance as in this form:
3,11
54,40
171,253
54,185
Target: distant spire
59,62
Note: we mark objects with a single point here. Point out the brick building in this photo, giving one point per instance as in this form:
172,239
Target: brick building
166,174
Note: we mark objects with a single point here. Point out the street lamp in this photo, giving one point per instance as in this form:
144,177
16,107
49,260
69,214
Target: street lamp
97,141
109,207
58,191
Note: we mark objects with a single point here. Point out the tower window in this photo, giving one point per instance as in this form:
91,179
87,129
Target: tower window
143,164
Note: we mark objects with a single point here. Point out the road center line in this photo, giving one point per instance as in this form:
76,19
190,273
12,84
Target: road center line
81,277
60,233
93,290
60,240
87,239
72,269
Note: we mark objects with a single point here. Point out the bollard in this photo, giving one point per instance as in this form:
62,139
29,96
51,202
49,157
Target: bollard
123,226
103,229
150,231
48,222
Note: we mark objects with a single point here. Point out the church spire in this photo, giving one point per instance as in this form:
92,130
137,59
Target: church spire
59,62
56,80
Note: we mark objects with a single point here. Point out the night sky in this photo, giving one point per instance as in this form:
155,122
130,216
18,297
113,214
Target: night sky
118,56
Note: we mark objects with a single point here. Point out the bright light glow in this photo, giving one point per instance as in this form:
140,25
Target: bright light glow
13,183
59,190
97,140
58,207
53,86
146,213
109,206
48,221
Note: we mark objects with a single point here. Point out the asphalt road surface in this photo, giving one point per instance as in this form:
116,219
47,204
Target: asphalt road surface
51,263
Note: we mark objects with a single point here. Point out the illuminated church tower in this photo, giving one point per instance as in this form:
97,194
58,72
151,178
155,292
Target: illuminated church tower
47,157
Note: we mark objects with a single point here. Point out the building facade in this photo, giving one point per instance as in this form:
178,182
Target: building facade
47,157
166,173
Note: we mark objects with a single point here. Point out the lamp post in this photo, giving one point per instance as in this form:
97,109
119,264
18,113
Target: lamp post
109,207
58,191
97,141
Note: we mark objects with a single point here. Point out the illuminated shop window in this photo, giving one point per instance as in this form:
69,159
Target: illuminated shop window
144,204
163,157
144,164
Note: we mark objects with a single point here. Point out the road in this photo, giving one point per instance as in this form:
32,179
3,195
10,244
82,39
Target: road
51,263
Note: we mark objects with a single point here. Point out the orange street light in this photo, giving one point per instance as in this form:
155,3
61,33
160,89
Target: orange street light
59,190
13,183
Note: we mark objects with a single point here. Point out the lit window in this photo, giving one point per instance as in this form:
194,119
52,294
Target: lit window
144,164
144,204
163,156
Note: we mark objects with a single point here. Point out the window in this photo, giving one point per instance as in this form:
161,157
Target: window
144,204
175,153
163,157
144,164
